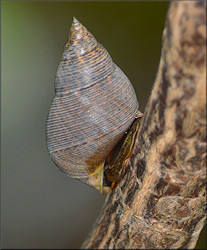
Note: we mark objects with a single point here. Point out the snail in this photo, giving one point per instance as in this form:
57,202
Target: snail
93,107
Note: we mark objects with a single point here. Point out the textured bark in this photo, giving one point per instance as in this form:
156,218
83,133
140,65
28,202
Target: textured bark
160,200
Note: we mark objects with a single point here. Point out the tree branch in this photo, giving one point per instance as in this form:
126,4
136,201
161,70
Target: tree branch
159,202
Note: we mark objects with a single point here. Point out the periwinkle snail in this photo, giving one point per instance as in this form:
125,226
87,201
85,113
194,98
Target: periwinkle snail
93,107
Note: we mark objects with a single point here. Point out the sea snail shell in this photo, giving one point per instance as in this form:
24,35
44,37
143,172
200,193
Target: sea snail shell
94,105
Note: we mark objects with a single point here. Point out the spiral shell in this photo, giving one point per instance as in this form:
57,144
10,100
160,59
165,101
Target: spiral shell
94,105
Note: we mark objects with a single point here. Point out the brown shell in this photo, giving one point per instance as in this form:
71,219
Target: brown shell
94,105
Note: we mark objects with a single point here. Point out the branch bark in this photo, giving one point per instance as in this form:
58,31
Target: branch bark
160,200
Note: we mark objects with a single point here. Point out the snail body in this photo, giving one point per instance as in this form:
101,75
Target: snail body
93,107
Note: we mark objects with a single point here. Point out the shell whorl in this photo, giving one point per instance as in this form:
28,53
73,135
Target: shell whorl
94,105
81,53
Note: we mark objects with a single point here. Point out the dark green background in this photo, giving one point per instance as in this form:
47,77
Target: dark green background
42,207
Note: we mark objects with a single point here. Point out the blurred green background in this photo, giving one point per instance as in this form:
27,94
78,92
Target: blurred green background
42,207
